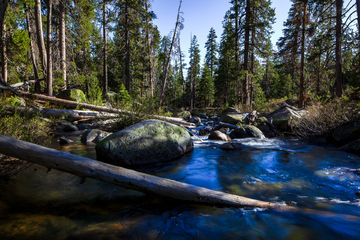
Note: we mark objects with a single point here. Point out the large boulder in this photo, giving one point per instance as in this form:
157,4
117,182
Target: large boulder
263,124
235,118
145,143
246,132
73,95
346,133
283,117
219,136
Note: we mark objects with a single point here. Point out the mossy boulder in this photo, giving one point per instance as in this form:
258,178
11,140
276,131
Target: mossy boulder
235,118
73,95
145,143
111,96
284,117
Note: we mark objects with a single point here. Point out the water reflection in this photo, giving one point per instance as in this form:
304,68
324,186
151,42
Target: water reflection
53,205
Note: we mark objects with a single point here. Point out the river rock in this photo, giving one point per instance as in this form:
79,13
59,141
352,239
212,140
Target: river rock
195,120
346,133
206,130
284,116
145,143
66,126
231,146
230,110
219,136
63,140
94,135
235,118
246,132
263,124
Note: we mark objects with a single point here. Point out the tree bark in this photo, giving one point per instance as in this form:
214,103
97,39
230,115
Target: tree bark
32,51
169,56
127,53
338,55
3,52
302,64
245,84
98,108
49,62
62,43
40,36
105,82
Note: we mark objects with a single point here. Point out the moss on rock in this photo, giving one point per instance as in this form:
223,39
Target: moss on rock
148,142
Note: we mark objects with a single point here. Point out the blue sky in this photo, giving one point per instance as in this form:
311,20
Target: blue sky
201,15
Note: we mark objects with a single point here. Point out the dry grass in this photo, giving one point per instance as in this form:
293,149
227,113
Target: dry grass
322,119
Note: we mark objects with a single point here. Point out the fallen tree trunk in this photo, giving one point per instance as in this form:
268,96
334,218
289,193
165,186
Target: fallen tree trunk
101,109
142,182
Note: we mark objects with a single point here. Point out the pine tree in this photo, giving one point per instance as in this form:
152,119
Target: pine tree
206,87
211,51
194,70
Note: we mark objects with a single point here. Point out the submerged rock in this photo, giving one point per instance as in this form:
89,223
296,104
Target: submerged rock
63,140
232,146
219,136
148,142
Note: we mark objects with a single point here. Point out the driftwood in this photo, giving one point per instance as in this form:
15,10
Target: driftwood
26,83
102,109
142,182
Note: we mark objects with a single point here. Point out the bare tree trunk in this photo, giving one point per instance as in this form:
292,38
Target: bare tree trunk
302,65
32,52
62,43
127,54
183,97
338,63
49,88
237,61
169,56
40,36
3,52
105,83
245,84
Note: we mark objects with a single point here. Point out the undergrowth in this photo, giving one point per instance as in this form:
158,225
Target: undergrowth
322,118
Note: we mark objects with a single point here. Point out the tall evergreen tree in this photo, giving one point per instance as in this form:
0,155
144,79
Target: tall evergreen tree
211,51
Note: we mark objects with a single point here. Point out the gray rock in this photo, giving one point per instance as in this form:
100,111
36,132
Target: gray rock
195,120
232,146
145,143
246,132
206,130
219,136
284,116
235,118
66,126
94,135
230,110
63,140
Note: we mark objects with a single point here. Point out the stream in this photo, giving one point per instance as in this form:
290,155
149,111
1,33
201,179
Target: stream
36,204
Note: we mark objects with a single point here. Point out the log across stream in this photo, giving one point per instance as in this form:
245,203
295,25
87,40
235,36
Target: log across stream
40,205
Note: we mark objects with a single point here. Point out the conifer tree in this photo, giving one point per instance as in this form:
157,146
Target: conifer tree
211,51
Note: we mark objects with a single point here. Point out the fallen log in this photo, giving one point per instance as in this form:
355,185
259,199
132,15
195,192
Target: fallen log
26,83
100,108
146,183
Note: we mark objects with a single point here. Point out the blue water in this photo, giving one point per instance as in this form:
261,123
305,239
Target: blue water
39,205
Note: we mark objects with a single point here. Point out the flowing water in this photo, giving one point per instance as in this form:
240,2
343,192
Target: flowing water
37,204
